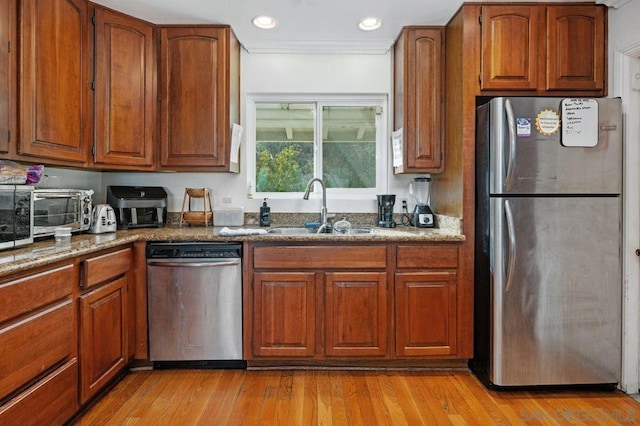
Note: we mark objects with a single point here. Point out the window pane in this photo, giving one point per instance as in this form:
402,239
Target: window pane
349,146
284,146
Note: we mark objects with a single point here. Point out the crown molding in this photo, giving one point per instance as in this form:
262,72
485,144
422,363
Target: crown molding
319,47
616,4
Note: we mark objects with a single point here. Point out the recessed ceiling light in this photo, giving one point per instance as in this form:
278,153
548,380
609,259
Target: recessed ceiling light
264,22
370,24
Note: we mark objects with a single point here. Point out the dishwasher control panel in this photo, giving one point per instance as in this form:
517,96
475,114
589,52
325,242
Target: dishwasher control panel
195,250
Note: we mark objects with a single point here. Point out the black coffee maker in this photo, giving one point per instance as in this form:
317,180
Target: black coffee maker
385,210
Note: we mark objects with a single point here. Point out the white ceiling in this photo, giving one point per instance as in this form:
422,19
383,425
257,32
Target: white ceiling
304,25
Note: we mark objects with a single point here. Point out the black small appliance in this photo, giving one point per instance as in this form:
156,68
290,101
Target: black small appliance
385,210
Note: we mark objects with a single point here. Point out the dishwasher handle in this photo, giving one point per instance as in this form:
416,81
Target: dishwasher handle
208,263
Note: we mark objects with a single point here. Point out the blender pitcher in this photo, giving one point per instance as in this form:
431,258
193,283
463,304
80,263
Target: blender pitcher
422,214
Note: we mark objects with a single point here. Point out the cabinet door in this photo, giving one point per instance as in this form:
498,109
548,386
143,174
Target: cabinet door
54,82
284,314
102,336
356,314
575,47
124,90
194,74
511,47
419,98
425,314
7,73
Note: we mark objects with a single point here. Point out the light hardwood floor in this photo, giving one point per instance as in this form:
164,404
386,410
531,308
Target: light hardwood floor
236,397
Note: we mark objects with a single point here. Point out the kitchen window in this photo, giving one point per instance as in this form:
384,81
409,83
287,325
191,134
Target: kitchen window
293,139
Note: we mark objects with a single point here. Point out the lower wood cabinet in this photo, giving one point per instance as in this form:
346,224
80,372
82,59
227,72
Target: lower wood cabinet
425,313
342,303
51,401
284,314
64,335
355,312
38,364
102,336
103,320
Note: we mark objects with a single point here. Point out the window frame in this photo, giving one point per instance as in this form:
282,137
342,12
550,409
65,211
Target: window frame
320,101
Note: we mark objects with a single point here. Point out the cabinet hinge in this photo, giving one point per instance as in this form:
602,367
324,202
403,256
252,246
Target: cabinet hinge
93,85
480,19
93,17
9,46
93,150
8,135
480,78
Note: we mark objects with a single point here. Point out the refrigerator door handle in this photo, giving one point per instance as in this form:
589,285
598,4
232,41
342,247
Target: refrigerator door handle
511,124
511,264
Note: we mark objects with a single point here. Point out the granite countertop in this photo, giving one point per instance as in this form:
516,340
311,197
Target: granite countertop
45,251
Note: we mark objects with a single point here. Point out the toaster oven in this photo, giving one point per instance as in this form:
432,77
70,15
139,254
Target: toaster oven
16,216
53,208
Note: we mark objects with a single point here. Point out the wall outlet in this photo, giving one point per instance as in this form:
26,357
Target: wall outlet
226,200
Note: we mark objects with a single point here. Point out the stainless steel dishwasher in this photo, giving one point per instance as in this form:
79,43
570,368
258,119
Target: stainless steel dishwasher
195,304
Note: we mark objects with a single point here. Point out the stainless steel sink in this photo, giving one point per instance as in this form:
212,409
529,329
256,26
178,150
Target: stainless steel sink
291,231
362,230
307,231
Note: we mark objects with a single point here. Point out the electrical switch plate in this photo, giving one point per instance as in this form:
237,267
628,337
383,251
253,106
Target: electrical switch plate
635,75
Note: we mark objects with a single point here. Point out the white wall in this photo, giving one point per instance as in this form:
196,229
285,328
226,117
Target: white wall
285,73
624,51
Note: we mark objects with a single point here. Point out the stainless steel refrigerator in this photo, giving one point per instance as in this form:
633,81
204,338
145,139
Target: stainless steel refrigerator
548,290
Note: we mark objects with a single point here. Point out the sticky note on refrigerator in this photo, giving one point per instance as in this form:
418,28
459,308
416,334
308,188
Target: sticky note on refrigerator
579,122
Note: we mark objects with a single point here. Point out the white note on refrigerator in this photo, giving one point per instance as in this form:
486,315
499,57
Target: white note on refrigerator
579,122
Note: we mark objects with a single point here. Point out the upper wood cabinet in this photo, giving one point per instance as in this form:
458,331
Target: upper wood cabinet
199,92
576,53
124,91
55,107
419,98
543,48
7,74
510,47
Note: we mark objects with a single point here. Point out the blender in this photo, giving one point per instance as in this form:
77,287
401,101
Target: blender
422,214
385,210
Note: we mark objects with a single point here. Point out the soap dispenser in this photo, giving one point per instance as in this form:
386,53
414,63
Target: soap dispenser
265,214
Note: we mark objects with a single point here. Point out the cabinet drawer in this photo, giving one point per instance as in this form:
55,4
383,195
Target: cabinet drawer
52,400
26,294
102,268
34,345
428,256
314,257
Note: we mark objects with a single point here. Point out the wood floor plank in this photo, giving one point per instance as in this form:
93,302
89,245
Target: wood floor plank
338,401
324,398
269,398
479,400
309,405
352,402
353,398
367,410
220,404
249,402
380,409
392,403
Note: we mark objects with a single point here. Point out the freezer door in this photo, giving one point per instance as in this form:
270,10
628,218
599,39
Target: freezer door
529,158
556,292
